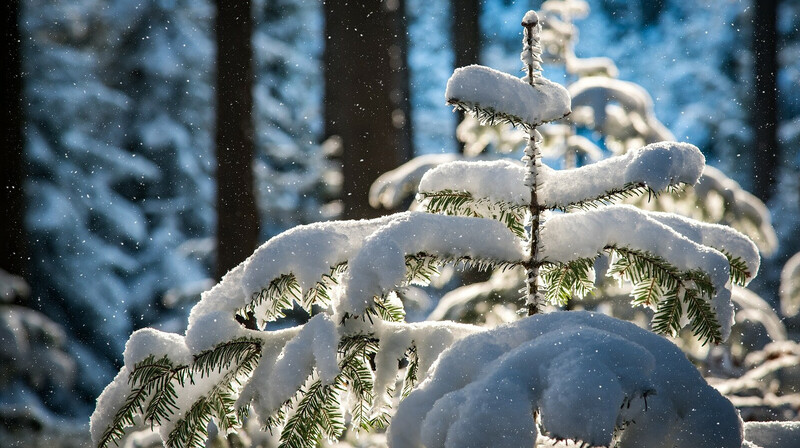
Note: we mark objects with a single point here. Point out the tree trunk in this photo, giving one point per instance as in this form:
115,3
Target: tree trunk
367,93
764,112
237,217
13,250
466,34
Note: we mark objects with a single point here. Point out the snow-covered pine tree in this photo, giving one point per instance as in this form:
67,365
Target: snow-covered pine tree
354,359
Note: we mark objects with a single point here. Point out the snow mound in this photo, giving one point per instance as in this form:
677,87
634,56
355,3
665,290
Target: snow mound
585,373
508,95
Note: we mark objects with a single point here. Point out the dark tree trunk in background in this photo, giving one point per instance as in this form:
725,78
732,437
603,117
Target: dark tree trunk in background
466,34
765,104
651,11
13,251
237,218
367,93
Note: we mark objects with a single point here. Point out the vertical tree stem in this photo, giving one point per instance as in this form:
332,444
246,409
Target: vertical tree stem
532,59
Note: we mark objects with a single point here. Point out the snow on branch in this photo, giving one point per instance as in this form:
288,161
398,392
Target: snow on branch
652,168
391,187
740,209
790,286
418,233
588,376
647,249
509,99
296,265
740,250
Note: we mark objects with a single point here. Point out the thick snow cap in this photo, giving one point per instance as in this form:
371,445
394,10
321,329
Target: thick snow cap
585,373
481,88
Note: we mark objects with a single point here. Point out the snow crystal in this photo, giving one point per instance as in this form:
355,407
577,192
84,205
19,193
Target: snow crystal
489,89
380,264
585,373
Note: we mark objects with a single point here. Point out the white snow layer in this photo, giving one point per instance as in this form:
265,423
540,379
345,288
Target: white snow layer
585,373
111,399
721,238
790,286
570,236
485,88
657,166
773,434
380,264
308,252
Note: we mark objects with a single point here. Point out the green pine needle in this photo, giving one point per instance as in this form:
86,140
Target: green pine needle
463,203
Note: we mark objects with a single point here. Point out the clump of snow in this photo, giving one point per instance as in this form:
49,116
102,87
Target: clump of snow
380,264
148,341
584,373
773,434
497,180
745,209
657,166
481,87
258,387
429,339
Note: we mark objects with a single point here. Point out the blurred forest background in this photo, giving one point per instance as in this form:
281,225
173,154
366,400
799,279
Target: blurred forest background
151,145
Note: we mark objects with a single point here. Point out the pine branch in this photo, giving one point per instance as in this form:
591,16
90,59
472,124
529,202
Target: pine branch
667,319
562,280
282,292
487,115
150,378
218,403
412,370
703,319
647,293
318,413
421,267
653,277
463,203
629,190
739,273
386,310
